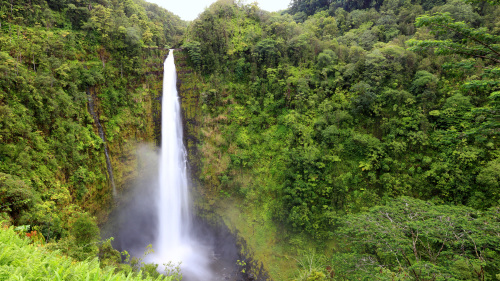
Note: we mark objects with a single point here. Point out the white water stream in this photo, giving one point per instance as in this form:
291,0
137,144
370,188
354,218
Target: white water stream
174,242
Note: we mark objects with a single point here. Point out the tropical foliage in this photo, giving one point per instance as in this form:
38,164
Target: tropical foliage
21,260
365,132
317,115
66,66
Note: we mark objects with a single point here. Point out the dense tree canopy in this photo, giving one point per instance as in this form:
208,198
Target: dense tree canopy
329,109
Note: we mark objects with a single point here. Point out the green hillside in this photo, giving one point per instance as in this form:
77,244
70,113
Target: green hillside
320,116
66,66
341,140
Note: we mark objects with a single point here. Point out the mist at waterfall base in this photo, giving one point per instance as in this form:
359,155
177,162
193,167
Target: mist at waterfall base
157,208
134,224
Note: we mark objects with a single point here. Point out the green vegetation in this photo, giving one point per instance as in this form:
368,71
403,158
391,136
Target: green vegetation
55,57
320,117
419,239
344,140
21,260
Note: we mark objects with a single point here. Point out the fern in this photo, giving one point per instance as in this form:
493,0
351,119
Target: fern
20,260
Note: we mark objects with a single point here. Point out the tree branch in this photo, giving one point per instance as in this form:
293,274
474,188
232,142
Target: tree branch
474,39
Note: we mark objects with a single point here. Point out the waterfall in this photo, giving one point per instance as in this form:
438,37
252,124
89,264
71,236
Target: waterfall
174,242
173,207
103,137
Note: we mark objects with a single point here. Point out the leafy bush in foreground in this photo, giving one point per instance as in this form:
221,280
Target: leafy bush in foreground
21,261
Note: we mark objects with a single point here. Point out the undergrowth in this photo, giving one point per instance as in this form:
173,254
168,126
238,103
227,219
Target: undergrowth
20,260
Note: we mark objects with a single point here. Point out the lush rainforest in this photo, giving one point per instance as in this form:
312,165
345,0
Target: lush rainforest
362,136
342,140
64,67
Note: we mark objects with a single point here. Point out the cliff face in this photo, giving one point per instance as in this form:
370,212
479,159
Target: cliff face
188,83
144,130
201,133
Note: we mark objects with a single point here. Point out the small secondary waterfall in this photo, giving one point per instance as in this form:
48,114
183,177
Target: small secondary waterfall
174,242
103,137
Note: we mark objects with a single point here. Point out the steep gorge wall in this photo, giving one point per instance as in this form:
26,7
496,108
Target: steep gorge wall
189,91
191,84
125,140
125,133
